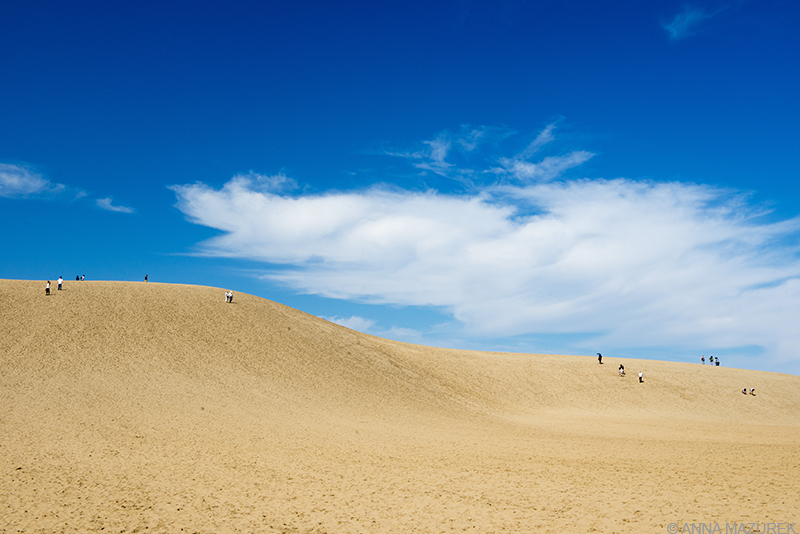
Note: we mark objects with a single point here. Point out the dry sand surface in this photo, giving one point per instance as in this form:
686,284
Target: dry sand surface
133,407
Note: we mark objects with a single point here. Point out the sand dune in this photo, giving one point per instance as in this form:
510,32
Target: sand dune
133,407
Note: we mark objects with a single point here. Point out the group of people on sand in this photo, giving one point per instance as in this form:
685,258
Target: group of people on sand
60,282
621,368
712,360
229,296
47,286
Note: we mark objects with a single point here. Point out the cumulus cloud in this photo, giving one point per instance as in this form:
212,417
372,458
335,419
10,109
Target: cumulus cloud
632,263
17,181
106,204
686,22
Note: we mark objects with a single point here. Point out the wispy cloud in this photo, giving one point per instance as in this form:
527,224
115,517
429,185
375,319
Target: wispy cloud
106,204
434,157
354,323
17,181
687,21
368,326
629,263
545,136
549,168
21,181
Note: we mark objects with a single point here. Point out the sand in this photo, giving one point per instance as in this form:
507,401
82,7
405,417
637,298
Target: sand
144,407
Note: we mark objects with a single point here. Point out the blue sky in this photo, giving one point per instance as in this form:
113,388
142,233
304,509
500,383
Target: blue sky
562,177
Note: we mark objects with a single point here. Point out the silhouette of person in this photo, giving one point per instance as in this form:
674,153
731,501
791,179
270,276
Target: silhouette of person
599,358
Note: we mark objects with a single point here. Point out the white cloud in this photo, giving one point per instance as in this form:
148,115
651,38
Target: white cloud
548,169
367,326
544,137
353,323
685,23
433,158
630,263
17,181
106,204
641,263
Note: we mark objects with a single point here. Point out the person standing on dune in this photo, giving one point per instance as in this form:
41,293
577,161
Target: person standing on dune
599,358
47,288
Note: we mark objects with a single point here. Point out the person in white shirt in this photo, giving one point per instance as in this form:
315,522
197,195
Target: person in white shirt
47,288
60,281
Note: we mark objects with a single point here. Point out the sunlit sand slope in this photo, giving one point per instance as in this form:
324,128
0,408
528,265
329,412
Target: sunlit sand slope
134,407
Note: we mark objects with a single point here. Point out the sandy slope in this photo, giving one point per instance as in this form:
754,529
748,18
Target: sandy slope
133,407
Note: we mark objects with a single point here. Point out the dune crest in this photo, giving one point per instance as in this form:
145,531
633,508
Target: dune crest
158,407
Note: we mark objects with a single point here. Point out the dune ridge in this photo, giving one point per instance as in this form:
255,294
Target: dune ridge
137,407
